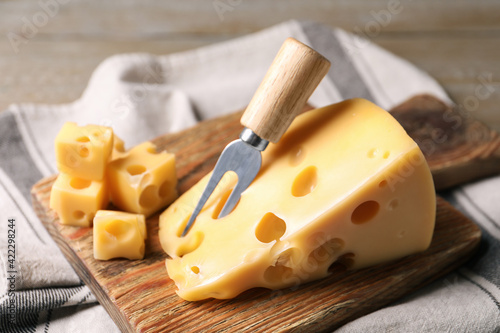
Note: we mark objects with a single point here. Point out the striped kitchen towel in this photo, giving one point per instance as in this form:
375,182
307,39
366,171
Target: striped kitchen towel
142,96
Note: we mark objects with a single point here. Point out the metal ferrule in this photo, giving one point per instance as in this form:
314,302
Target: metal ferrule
249,137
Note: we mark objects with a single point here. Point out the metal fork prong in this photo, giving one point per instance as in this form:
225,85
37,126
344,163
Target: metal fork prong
212,184
232,200
239,157
244,180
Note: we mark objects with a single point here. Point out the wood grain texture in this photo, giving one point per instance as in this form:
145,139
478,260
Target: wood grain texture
51,72
54,65
458,148
140,297
149,18
293,76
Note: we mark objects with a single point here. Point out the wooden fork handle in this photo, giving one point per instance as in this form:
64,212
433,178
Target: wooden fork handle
290,81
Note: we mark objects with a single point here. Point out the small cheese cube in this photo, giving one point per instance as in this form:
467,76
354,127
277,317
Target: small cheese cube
83,151
76,200
119,235
144,180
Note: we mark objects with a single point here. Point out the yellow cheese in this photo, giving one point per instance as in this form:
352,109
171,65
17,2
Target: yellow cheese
83,151
345,184
143,181
118,150
76,200
119,235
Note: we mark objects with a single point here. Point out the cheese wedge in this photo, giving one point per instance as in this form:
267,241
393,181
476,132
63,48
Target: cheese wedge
345,184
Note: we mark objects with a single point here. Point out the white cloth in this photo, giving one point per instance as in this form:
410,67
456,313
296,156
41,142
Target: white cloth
142,96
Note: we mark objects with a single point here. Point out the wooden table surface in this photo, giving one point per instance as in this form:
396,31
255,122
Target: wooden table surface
49,48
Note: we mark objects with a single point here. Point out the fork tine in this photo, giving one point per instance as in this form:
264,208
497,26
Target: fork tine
232,200
244,180
212,184
239,157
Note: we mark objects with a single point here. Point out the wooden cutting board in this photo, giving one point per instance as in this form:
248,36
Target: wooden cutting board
140,297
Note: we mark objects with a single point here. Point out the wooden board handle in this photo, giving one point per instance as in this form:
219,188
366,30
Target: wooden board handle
458,149
294,74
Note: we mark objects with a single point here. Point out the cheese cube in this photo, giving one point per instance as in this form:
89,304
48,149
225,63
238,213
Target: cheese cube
118,150
76,200
345,184
144,180
119,235
83,151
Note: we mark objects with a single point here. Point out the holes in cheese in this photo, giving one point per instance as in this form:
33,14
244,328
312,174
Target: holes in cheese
342,263
94,164
393,204
288,257
118,150
330,207
78,214
76,200
152,150
192,244
270,228
375,152
83,139
142,181
79,183
278,274
365,212
84,151
165,188
134,170
149,196
346,260
119,235
326,251
119,229
81,153
297,155
372,153
118,144
305,182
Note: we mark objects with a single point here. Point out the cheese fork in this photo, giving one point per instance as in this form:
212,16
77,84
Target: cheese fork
290,81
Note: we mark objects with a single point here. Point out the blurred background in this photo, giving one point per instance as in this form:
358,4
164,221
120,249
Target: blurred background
49,48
